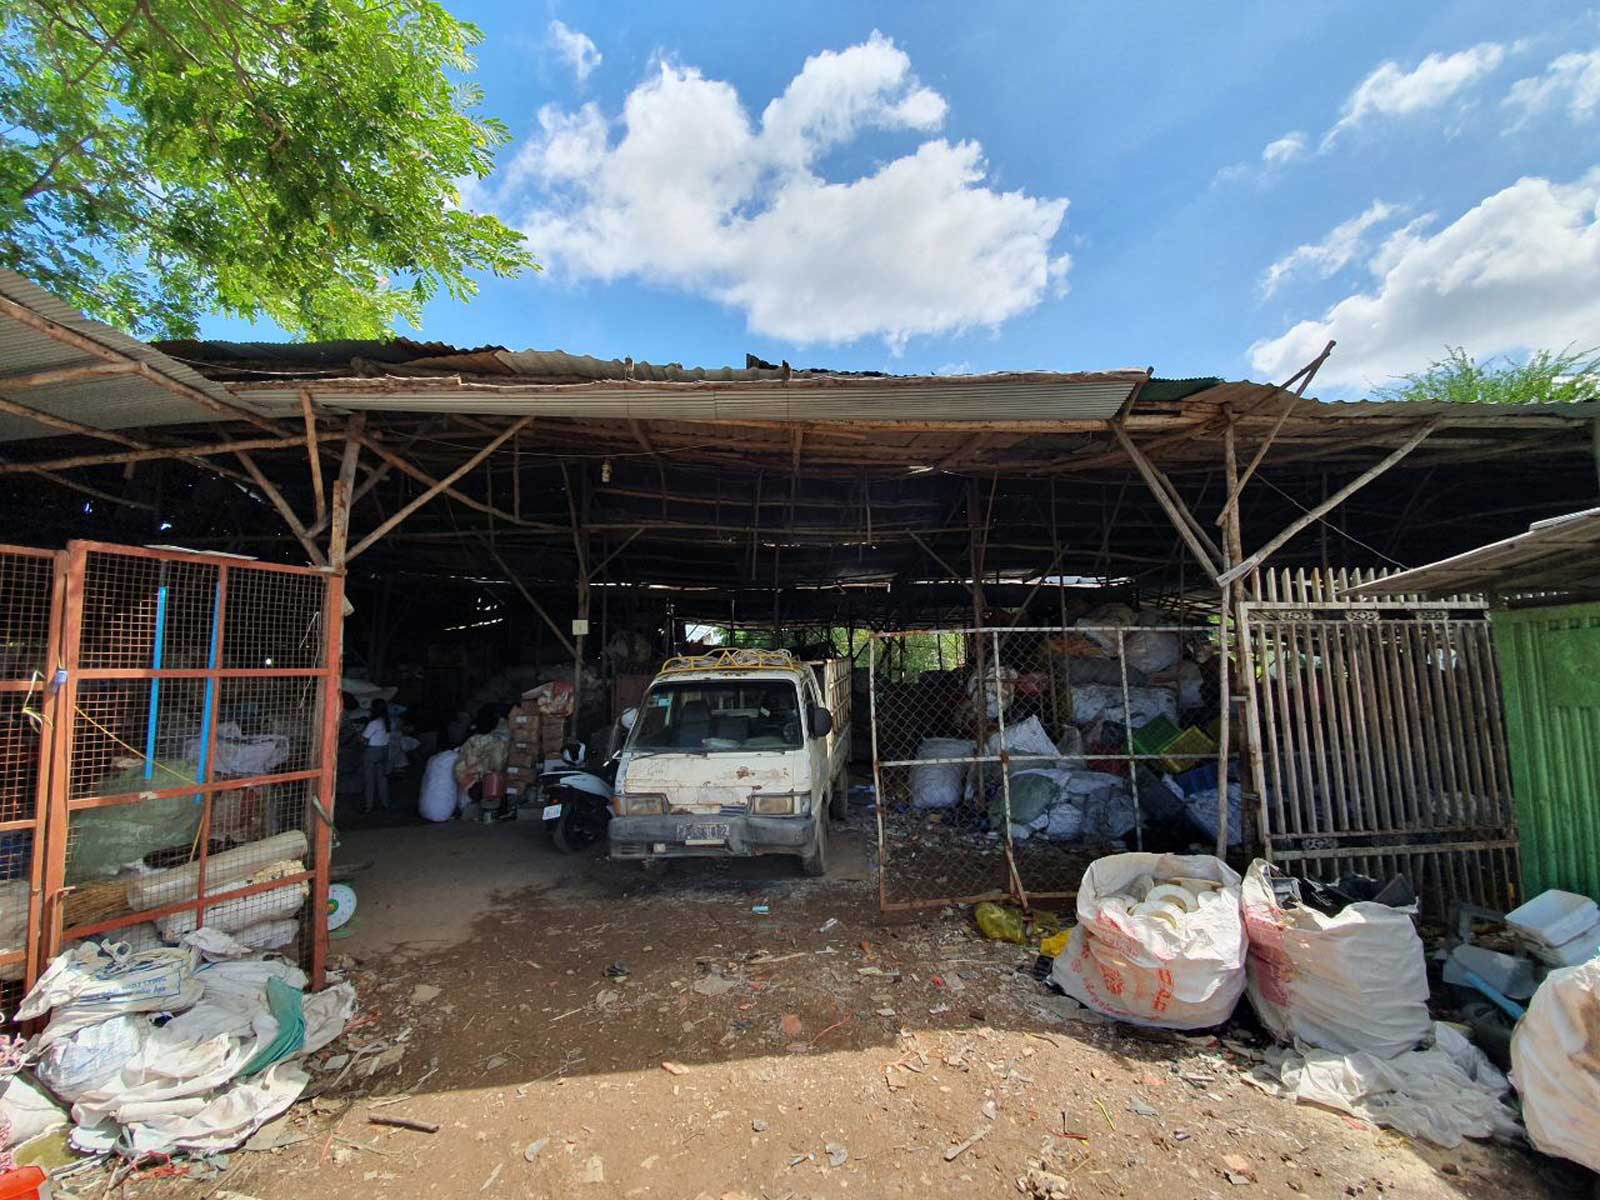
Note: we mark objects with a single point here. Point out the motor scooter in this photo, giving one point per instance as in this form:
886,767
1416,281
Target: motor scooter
576,798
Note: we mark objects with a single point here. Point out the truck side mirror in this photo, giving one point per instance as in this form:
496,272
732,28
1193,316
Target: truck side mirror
821,721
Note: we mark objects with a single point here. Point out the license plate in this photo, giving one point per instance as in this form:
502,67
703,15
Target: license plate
706,835
552,811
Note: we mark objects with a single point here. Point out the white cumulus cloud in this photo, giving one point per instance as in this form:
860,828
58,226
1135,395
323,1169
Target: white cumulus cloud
1571,81
574,48
1391,91
1520,271
686,188
1289,147
1335,251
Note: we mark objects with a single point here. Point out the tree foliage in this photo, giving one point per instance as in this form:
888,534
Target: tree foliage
1545,378
292,159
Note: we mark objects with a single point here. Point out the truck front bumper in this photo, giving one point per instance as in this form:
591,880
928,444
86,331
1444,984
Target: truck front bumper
669,836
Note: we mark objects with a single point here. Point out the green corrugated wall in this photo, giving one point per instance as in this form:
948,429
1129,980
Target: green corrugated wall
1550,673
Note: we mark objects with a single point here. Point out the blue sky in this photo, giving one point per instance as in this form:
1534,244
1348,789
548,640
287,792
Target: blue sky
942,186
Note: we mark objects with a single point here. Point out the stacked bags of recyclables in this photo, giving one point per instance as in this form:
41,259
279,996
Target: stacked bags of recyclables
1159,941
1555,1060
1348,990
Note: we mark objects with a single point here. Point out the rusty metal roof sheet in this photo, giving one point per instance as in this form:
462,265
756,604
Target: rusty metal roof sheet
1558,555
105,402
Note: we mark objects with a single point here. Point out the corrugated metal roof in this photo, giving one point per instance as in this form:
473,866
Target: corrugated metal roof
1032,397
106,402
1558,555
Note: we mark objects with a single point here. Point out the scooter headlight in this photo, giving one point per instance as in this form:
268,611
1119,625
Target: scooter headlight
640,804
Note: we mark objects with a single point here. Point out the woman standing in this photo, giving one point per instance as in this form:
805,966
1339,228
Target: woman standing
375,760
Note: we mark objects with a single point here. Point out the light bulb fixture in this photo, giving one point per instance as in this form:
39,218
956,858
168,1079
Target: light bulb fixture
605,471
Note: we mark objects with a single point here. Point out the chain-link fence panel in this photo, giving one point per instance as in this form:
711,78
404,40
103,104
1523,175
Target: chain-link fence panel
1006,760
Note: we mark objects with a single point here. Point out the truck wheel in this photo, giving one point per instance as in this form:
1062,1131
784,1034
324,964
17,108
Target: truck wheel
815,864
839,800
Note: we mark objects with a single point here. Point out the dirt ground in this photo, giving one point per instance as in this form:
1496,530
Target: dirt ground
579,1029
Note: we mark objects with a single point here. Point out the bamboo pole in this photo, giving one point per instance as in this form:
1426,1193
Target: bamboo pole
339,515
154,453
421,476
1305,375
1332,502
517,583
442,485
313,453
1178,516
285,510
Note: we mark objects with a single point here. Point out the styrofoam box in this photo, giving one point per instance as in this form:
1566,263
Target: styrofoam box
1555,917
1569,954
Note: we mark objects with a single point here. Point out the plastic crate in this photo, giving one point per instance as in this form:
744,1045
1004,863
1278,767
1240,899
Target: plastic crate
1155,736
1188,749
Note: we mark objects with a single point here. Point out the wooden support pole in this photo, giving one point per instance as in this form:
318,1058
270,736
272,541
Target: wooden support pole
957,576
154,453
601,565
578,508
442,485
1173,508
1332,502
285,510
1230,464
561,635
339,515
85,489
313,453
51,421
421,476
59,375
1305,375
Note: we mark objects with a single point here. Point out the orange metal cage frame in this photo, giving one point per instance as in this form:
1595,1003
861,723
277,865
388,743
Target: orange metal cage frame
59,682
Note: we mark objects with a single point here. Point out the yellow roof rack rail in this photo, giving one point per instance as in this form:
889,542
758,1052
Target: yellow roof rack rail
728,659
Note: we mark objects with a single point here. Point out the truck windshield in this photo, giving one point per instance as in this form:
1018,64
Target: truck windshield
724,714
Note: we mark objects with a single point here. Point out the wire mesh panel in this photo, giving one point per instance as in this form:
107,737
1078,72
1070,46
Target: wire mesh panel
29,608
193,770
1383,744
1007,760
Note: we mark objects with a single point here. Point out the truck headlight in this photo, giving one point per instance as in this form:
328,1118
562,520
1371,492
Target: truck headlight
639,804
781,804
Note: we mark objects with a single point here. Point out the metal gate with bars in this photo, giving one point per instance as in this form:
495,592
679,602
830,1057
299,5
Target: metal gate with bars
177,709
1381,737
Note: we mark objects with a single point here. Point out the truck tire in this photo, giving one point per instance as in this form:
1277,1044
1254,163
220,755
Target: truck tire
815,864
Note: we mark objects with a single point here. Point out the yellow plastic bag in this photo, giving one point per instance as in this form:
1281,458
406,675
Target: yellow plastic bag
1001,923
1054,945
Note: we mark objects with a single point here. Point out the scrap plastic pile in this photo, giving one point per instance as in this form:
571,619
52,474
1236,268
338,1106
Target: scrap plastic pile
187,1048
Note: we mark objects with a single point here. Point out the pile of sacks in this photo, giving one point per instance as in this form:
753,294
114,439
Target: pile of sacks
1173,941
191,1048
1049,789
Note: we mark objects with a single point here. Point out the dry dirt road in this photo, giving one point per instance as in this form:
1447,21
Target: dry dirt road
579,1030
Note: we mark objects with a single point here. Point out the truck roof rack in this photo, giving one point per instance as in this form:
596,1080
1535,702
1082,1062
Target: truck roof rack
728,659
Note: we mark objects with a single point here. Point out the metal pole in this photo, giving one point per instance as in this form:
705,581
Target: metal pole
1127,730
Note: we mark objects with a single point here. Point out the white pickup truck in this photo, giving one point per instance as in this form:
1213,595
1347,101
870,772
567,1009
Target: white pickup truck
735,753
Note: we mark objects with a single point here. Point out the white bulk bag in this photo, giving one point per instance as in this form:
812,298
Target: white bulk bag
1353,983
1143,970
1555,1063
938,784
437,799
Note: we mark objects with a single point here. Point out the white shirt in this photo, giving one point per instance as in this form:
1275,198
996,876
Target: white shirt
376,734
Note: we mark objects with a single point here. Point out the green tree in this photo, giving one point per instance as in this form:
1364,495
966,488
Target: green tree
1545,378
293,159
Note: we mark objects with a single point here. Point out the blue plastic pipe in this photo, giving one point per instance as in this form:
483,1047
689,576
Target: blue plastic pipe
211,683
155,685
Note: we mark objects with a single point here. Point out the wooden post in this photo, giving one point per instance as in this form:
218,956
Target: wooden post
1224,669
1305,375
441,486
284,509
1179,516
313,452
1332,502
577,507
339,516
